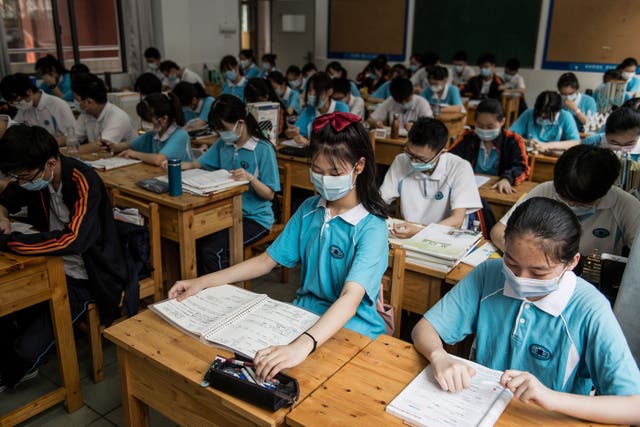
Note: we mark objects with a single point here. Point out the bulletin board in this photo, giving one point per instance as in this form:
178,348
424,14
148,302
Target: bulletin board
591,35
364,30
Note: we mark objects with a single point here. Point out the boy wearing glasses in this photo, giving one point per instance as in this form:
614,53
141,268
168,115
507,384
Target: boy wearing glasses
69,207
433,185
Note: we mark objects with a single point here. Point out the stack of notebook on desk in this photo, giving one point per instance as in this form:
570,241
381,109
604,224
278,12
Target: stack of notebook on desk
203,183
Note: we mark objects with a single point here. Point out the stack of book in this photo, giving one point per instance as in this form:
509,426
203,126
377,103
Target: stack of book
203,183
109,163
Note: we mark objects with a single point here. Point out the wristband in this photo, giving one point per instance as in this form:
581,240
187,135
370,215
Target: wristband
315,343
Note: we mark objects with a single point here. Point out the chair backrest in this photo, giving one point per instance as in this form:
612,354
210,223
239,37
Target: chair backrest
393,284
285,194
511,106
151,286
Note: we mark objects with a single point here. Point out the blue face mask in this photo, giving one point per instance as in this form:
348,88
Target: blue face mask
266,66
530,288
295,84
581,211
230,75
407,106
332,187
311,100
485,72
424,167
487,134
229,136
458,68
36,185
78,107
413,68
372,76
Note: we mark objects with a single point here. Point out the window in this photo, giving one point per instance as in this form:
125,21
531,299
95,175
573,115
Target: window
88,32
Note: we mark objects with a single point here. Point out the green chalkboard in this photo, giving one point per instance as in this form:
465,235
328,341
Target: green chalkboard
507,28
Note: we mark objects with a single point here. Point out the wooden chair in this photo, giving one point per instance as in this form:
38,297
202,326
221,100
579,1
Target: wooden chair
372,139
511,107
149,287
284,197
393,285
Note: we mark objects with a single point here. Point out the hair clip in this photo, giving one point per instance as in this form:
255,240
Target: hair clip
338,121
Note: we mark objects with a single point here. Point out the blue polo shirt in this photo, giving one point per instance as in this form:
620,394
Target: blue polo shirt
309,114
564,129
354,89
291,99
633,85
253,71
64,85
202,112
586,104
237,90
257,157
383,91
451,96
175,144
570,340
600,140
351,247
487,164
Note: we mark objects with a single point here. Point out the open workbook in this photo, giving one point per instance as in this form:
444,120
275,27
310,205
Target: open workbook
109,163
424,403
202,182
236,319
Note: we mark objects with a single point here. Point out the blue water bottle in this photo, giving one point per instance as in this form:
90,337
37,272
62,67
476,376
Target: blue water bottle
174,170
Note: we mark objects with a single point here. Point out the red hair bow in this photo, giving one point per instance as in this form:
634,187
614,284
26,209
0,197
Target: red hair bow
338,121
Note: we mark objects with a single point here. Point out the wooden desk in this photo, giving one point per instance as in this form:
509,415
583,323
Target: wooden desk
455,123
299,169
542,166
207,140
26,281
185,218
161,367
500,203
360,391
388,148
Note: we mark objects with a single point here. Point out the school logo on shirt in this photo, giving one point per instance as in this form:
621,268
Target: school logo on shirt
336,252
244,164
601,232
439,195
540,352
46,122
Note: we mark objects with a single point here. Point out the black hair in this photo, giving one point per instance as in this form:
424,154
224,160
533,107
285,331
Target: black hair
15,86
628,62
87,85
78,68
512,64
461,55
428,132
552,223
382,58
419,58
431,59
247,53
168,66
277,77
612,74
568,80
378,64
349,146
400,89
336,66
585,173
152,52
491,106
231,109
309,66
633,103
186,91
270,58
294,69
341,85
622,119
548,103
227,63
320,82
438,72
147,83
257,88
48,64
159,105
26,147
400,70
486,57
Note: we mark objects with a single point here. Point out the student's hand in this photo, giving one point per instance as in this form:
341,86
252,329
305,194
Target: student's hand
379,124
241,175
405,230
104,146
129,154
271,360
452,375
5,226
164,164
504,186
571,105
408,126
528,388
541,147
185,288
301,140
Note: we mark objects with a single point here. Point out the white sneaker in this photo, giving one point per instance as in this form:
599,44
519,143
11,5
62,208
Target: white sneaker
28,376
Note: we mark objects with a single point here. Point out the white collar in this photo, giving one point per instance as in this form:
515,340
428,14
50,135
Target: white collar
287,92
444,92
353,216
332,107
240,83
45,100
170,130
556,301
103,113
199,106
250,145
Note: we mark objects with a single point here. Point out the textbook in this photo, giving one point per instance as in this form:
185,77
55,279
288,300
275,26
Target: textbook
202,183
424,403
109,163
267,114
236,319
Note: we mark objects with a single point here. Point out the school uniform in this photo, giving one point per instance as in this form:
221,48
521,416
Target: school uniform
252,71
201,111
450,95
354,89
569,340
426,199
461,78
515,81
614,223
385,111
563,129
383,92
586,105
600,140
419,78
479,88
52,113
309,114
506,159
113,125
191,77
356,106
174,143
291,99
236,89
350,247
257,157
628,301
64,84
633,86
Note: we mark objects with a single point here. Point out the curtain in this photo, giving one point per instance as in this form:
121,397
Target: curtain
5,65
138,33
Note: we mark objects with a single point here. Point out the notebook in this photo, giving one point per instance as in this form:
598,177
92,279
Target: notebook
424,403
203,183
236,319
112,163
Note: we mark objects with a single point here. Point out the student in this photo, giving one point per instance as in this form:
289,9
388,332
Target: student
419,79
462,72
416,62
174,74
583,179
100,123
433,185
36,108
607,77
56,80
547,126
196,104
441,93
552,333
268,64
383,92
403,102
342,93
339,237
629,68
68,205
308,70
234,81
317,102
147,84
154,59
487,84
166,140
493,150
244,152
78,68
633,103
248,64
377,73
289,97
295,80
337,71
260,90
580,105
513,81
622,132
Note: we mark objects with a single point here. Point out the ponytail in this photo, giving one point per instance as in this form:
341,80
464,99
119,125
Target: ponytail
159,105
231,109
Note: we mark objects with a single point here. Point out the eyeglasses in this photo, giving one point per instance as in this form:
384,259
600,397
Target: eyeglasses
21,180
415,158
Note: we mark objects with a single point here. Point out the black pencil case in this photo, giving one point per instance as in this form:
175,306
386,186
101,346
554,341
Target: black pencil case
222,375
154,185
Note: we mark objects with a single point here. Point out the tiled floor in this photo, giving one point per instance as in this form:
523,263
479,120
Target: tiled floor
102,400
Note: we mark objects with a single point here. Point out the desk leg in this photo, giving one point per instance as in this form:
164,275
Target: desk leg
63,331
187,244
135,412
236,247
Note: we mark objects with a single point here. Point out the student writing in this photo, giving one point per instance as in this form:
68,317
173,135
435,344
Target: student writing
621,133
289,97
487,84
196,104
441,93
342,93
248,64
56,80
403,102
234,81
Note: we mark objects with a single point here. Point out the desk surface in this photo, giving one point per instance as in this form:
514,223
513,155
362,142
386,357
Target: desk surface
360,391
167,348
493,196
10,262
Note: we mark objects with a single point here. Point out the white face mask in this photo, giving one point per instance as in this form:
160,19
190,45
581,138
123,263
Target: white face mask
620,148
23,104
530,288
332,187
627,75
